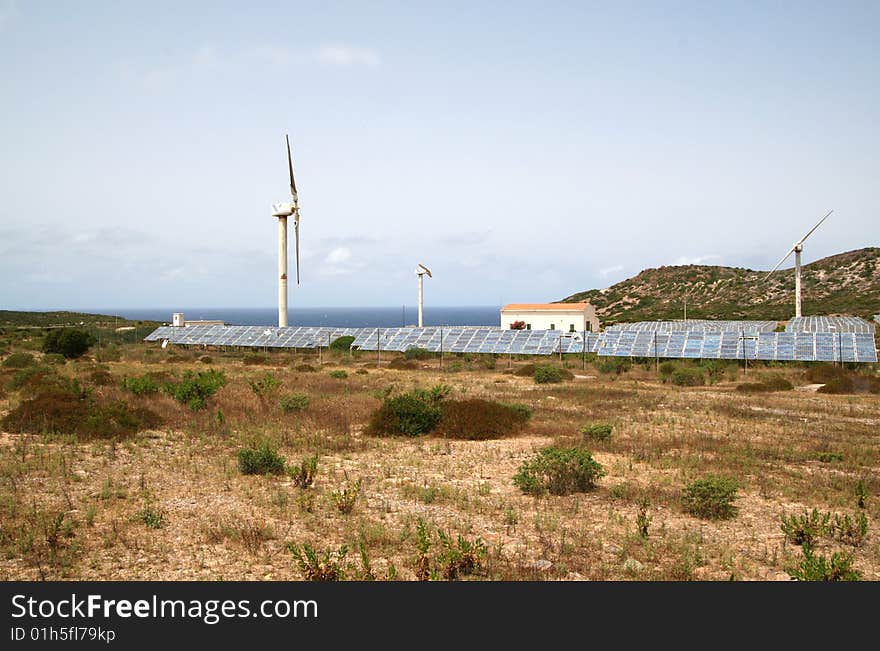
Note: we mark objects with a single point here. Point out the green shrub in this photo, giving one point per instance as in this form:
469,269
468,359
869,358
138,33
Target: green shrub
688,377
19,360
195,388
70,342
346,498
711,498
140,386
339,374
819,568
597,432
303,475
769,385
152,517
342,344
667,369
255,359
260,459
410,414
108,354
460,556
417,353
476,419
805,529
305,368
548,374
559,471
266,385
54,358
616,365
294,402
34,378
524,411
829,457
317,566
850,531
206,359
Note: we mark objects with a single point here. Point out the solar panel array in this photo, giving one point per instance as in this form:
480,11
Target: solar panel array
694,344
780,346
829,324
698,325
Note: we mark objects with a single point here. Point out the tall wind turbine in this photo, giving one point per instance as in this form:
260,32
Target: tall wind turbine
421,270
796,249
282,211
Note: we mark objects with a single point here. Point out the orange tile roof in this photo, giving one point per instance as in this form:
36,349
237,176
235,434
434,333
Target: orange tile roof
545,306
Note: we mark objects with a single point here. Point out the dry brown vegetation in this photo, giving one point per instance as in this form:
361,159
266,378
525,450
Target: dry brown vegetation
170,502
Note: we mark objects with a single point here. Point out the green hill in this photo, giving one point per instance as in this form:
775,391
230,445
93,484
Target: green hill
847,283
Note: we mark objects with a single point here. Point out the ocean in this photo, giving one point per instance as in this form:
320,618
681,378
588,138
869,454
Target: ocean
343,317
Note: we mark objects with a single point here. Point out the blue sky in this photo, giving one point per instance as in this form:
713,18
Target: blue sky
522,151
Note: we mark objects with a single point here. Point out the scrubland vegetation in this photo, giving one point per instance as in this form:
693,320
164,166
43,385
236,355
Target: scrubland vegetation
133,462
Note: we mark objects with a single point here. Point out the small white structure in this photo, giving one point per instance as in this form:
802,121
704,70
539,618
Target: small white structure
177,320
567,317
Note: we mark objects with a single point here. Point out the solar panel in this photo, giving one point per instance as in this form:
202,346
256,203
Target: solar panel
695,325
829,324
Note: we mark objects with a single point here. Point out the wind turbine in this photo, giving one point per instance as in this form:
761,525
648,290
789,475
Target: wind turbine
282,211
796,249
421,270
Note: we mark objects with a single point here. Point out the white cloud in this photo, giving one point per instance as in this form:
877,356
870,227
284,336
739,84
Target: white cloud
339,54
339,255
607,271
700,259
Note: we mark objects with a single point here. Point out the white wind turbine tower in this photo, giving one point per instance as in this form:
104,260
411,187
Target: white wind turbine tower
796,249
282,211
421,270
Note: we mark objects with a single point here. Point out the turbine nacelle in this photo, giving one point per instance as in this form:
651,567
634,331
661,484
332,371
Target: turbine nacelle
283,209
422,270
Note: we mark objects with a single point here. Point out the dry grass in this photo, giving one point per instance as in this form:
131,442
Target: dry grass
68,508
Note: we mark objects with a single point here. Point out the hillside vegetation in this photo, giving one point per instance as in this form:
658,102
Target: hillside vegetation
847,283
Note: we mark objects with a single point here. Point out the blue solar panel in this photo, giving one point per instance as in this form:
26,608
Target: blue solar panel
829,324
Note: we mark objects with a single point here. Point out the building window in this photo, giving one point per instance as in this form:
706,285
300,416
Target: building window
553,326
571,328
528,326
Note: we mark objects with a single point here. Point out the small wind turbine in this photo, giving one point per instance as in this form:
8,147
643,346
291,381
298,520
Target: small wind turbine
796,249
282,211
421,270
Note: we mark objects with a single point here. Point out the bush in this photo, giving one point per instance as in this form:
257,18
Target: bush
19,360
140,386
195,388
477,420
688,377
558,471
417,353
303,475
62,411
101,377
597,432
342,344
805,529
339,374
70,342
33,378
667,369
524,411
526,370
410,414
317,566
400,364
54,358
818,568
616,365
206,359
711,498
255,359
265,385
305,368
294,402
772,384
346,498
548,374
260,459
108,354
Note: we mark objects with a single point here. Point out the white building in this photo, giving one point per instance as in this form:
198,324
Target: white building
568,317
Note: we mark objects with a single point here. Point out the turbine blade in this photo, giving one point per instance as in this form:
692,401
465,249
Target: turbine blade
815,227
296,237
778,264
290,167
